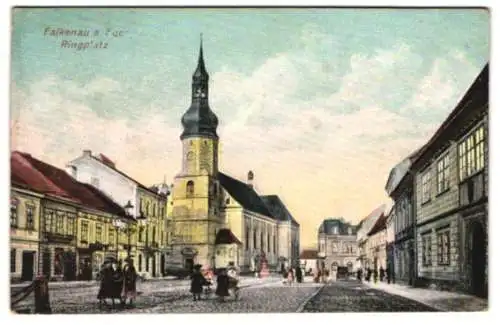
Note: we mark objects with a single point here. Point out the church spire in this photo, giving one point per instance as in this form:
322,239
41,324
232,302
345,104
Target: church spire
201,71
199,120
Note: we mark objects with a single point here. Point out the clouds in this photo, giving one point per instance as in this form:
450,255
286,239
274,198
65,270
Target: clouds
321,125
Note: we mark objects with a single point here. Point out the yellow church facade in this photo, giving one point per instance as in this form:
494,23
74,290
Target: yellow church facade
215,218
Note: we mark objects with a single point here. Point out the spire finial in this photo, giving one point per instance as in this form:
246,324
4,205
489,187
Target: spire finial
200,70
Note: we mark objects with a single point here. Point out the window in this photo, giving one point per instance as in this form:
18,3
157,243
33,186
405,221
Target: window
12,260
98,233
254,239
49,218
140,263
262,241
426,187
141,233
334,247
247,238
111,236
154,235
471,154
154,209
275,244
228,200
443,174
161,237
60,223
13,214
147,209
71,226
443,253
84,235
30,219
427,250
268,245
190,189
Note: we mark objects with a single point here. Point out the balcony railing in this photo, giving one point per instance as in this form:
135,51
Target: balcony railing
58,237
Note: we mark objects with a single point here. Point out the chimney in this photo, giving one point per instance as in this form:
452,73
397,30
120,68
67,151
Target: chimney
250,179
87,152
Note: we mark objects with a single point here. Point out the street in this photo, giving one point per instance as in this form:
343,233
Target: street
352,296
257,295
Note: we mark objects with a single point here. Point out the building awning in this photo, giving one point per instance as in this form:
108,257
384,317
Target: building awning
226,236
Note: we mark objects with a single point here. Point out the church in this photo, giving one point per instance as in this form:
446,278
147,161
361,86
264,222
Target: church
216,219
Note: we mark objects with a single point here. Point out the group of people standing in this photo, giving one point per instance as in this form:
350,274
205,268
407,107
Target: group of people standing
117,282
376,275
292,274
227,280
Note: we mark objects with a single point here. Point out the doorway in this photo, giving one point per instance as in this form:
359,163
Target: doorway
189,264
162,266
27,266
478,260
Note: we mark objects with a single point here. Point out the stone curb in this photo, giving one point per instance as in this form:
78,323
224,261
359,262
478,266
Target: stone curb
311,297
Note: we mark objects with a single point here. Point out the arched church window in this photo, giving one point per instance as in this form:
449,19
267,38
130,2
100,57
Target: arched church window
254,239
247,237
262,241
190,189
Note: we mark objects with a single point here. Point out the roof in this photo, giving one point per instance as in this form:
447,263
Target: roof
244,195
278,208
309,254
328,225
37,175
105,161
226,236
370,221
379,225
477,94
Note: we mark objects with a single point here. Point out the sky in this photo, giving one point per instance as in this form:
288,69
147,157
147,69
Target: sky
319,103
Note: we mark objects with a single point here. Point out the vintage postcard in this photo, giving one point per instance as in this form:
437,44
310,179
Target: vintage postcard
244,160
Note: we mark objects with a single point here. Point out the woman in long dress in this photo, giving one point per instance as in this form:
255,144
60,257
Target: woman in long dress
197,283
129,282
222,290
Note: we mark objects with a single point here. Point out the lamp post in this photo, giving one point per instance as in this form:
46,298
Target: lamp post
118,224
128,212
143,222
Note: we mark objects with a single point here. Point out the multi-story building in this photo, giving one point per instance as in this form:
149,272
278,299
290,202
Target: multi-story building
376,244
399,187
75,224
206,201
451,186
390,237
309,260
337,244
148,207
366,225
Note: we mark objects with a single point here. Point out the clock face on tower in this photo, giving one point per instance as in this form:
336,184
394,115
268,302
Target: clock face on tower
200,93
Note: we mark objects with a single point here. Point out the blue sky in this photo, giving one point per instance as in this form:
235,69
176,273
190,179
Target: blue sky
329,99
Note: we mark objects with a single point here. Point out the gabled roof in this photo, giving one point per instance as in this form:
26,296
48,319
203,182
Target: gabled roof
370,221
278,208
475,96
226,236
328,225
309,254
379,225
244,195
47,179
104,160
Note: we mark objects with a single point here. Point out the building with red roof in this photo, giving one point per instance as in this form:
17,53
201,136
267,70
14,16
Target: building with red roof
48,207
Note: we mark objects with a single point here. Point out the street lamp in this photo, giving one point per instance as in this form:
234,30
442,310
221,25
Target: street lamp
129,208
118,224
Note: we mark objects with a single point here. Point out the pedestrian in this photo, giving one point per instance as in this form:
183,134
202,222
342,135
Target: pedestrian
116,283
290,276
382,274
284,274
298,274
129,282
368,274
197,283
222,289
106,283
360,274
375,275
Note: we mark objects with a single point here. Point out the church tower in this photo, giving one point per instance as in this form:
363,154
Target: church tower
195,211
